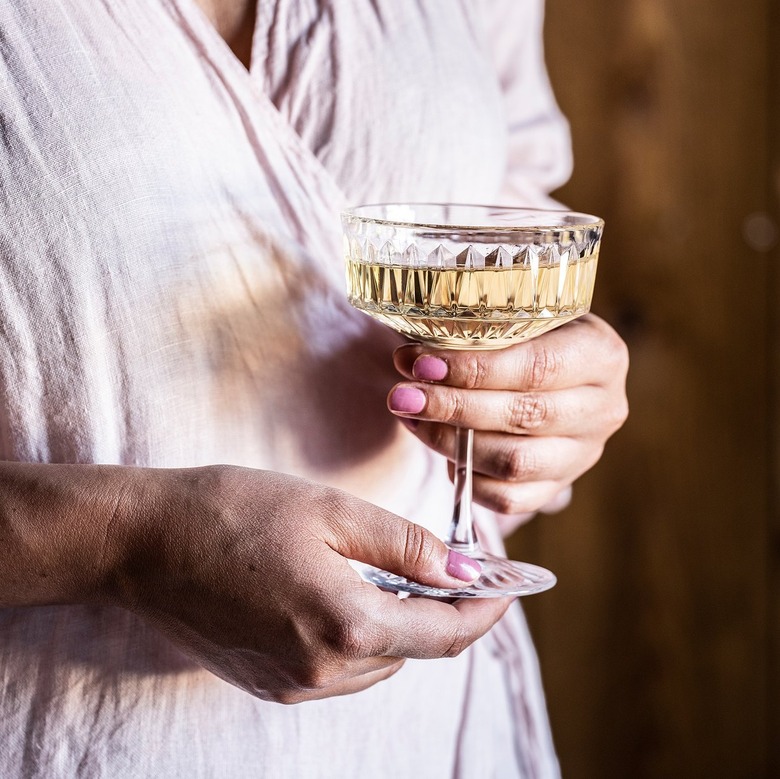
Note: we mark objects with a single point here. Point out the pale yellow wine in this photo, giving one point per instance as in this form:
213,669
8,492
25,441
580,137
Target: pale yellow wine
484,307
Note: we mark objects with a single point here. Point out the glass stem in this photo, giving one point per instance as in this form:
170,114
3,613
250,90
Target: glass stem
462,536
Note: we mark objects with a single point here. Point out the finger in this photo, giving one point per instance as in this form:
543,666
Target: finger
584,351
515,498
424,628
559,501
361,667
509,522
379,624
371,623
361,531
572,412
516,458
347,686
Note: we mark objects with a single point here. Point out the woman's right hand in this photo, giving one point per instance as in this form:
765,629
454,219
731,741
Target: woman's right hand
247,571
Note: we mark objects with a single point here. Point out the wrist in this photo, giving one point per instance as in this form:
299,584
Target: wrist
142,550
54,528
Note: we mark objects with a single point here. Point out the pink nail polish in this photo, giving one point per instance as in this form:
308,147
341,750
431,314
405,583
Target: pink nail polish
462,567
429,368
407,400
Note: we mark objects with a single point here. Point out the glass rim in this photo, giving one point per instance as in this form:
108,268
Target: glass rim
582,221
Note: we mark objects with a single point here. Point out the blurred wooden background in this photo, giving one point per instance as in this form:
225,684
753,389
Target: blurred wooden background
660,646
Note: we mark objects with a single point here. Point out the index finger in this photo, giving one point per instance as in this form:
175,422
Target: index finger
424,628
585,351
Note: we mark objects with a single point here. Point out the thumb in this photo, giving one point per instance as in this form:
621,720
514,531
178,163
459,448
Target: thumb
371,535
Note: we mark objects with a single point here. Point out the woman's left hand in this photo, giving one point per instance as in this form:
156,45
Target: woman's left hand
541,410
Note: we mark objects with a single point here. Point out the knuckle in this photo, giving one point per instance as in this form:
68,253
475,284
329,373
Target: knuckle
476,373
503,503
350,638
544,366
453,406
620,412
310,676
515,463
617,352
510,500
458,642
419,552
614,416
528,411
287,697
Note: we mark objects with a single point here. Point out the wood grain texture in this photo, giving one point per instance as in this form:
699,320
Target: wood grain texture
773,189
657,645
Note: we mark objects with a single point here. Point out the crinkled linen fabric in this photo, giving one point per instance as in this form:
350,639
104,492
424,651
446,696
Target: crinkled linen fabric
171,295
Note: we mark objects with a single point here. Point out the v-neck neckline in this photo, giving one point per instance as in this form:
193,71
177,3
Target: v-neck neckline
253,44
206,35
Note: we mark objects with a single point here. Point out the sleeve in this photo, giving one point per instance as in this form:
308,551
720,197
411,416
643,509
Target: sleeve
539,143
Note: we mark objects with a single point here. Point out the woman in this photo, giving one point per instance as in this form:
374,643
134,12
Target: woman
172,298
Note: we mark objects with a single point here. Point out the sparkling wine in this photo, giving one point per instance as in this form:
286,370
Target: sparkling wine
474,303
470,277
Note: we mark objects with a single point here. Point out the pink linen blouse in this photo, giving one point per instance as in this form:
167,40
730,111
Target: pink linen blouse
171,294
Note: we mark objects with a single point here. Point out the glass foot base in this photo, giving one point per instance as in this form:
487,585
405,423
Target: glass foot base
500,577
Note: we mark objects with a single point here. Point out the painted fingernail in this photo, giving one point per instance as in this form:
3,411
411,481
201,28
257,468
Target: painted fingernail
407,400
429,368
462,567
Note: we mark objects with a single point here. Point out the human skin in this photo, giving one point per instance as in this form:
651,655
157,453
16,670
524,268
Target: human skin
234,20
247,571
541,410
544,409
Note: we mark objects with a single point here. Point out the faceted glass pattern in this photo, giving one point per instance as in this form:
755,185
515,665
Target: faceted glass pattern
470,277
471,287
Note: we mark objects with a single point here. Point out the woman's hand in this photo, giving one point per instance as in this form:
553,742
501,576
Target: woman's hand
541,410
247,572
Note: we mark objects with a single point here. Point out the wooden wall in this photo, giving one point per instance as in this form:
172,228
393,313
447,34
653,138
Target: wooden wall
660,646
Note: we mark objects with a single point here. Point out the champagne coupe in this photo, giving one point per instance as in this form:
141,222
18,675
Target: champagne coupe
470,277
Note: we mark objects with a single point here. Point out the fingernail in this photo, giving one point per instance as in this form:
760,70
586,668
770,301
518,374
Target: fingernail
462,567
407,400
429,368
